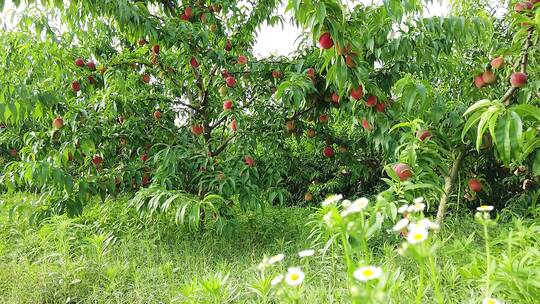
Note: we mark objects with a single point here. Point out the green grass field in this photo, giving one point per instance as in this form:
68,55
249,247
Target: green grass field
112,255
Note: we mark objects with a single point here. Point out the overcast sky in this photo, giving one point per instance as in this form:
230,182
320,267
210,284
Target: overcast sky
276,40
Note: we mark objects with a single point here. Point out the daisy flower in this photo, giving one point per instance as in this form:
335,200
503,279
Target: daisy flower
367,273
418,200
401,224
427,224
403,208
414,226
277,280
275,259
491,301
357,206
417,207
417,235
332,199
485,208
346,203
306,253
294,276
328,219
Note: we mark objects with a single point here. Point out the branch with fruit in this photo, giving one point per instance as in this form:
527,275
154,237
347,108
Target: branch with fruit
519,79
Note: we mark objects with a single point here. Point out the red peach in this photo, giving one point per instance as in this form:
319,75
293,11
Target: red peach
91,66
489,77
498,62
423,135
475,185
357,93
75,86
227,105
518,79
58,123
328,151
325,41
371,101
197,129
194,63
310,73
79,62
403,171
479,81
335,97
231,82
250,162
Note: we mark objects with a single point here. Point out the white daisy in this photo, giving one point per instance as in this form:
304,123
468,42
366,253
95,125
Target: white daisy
346,203
328,219
414,226
401,224
294,276
485,208
417,235
277,280
367,273
427,224
416,207
418,200
357,206
306,253
332,199
403,208
275,259
491,301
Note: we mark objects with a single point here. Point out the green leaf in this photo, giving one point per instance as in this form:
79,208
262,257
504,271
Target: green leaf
536,164
478,105
515,133
469,123
502,139
483,124
527,110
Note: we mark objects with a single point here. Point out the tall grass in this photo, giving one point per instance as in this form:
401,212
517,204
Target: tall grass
112,255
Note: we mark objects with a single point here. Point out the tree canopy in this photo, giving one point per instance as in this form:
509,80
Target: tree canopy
165,100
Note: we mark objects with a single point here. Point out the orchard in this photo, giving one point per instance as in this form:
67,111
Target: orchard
148,154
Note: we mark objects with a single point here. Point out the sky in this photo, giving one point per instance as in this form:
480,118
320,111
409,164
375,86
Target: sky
279,40
274,40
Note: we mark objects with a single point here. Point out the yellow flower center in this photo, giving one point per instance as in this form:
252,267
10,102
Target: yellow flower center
294,277
491,301
368,273
418,237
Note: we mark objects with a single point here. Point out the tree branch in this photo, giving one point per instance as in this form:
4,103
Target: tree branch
217,123
449,182
303,111
223,146
162,68
523,66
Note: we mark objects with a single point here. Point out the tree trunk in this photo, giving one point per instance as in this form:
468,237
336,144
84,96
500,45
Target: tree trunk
449,182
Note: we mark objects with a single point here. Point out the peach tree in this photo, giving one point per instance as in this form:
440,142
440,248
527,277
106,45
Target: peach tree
166,100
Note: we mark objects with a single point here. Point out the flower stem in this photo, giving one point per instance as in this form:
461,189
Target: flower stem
420,291
364,239
346,251
436,284
488,263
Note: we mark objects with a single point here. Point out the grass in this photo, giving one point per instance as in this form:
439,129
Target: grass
111,255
